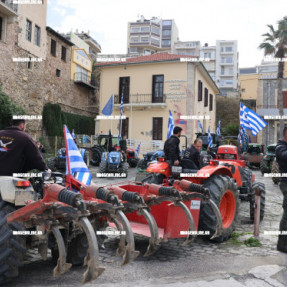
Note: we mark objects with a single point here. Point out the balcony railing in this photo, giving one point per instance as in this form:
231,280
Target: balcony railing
84,79
140,99
267,107
12,8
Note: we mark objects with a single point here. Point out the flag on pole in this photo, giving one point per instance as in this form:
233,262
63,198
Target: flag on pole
209,138
218,128
73,134
200,126
75,164
122,109
138,149
250,120
108,108
170,125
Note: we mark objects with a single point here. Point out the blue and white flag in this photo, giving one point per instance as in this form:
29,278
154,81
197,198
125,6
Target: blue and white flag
218,128
250,120
122,106
209,138
138,149
76,166
170,125
200,126
73,134
108,108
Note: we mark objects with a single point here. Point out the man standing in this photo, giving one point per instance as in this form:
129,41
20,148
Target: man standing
18,151
193,154
171,147
281,157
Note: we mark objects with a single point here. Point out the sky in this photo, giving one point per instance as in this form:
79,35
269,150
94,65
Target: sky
204,20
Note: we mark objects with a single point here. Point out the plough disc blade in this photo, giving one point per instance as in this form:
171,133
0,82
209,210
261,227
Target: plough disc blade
93,271
216,211
128,251
154,240
62,266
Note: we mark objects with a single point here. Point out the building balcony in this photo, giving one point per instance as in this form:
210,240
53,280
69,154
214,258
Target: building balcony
8,8
141,100
83,79
145,44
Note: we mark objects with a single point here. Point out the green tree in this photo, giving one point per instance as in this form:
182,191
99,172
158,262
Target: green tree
275,44
7,109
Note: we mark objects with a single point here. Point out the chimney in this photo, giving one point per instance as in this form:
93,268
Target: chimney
206,45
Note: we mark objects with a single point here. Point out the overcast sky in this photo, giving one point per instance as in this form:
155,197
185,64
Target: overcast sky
203,20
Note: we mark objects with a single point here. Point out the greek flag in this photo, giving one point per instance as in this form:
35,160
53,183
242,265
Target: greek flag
200,126
245,135
209,138
122,109
218,128
170,125
75,164
138,149
73,134
250,120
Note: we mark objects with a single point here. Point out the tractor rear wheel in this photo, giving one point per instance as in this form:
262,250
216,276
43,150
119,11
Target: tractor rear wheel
133,162
260,186
124,168
142,164
96,156
246,176
12,247
264,166
275,169
223,190
103,167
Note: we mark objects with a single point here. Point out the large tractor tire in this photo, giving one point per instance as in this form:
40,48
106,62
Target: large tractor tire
103,167
264,166
96,156
246,176
223,190
124,168
260,186
275,169
12,247
133,162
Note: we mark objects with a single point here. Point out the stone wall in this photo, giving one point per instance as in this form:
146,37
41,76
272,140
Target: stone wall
31,88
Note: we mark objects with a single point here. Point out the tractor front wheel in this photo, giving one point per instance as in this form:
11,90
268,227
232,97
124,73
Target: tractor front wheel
261,186
275,169
224,194
12,247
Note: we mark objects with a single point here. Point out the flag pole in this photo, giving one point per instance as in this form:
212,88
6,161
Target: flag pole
67,157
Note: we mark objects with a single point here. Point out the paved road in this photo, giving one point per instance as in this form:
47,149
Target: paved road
200,264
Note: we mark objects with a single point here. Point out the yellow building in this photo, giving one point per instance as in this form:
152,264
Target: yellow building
81,66
151,86
248,86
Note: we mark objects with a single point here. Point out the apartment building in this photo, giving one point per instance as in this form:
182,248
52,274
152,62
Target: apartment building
191,48
150,36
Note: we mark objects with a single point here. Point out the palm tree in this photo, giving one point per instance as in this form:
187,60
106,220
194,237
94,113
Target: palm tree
275,44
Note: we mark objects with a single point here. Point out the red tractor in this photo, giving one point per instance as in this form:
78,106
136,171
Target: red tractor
227,179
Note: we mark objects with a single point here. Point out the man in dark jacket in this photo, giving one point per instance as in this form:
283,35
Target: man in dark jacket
171,147
193,154
281,157
18,151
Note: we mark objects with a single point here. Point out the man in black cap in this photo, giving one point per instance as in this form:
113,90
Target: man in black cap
281,157
171,147
18,151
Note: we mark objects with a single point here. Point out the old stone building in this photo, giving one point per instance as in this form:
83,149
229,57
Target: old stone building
46,76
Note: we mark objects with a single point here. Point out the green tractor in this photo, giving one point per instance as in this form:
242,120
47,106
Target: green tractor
267,160
253,155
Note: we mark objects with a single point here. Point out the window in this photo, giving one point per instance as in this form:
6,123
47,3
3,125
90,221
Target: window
155,30
145,29
166,23
53,47
221,49
166,32
230,71
222,83
144,39
155,40
134,39
28,30
228,49
64,53
37,37
222,70
133,49
135,29
157,129
157,88
205,97
1,28
124,89
58,73
210,102
166,42
229,60
229,82
199,91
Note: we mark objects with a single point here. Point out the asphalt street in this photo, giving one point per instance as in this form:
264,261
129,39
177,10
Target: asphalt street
200,264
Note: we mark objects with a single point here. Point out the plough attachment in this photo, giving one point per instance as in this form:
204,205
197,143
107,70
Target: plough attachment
104,205
57,210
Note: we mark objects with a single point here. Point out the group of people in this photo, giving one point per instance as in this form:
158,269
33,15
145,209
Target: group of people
172,150
19,154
